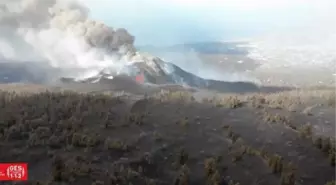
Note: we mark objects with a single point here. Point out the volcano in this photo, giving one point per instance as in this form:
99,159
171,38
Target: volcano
68,45
154,71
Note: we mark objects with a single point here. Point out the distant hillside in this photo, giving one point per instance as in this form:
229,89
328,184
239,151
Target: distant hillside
232,48
13,72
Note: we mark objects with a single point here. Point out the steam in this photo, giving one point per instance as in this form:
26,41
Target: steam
60,33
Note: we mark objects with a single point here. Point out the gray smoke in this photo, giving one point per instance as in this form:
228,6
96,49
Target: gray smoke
61,34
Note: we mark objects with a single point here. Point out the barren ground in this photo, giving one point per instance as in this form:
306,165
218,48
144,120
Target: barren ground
171,137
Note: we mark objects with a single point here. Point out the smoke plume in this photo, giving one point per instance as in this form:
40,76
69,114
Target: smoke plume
60,33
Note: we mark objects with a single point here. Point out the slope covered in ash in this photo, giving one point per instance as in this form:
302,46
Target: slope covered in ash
25,72
85,139
179,76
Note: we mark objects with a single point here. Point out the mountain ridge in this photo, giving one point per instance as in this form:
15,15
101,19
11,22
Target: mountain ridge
209,47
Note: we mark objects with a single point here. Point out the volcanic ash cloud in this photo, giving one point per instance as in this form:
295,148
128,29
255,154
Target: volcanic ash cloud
60,33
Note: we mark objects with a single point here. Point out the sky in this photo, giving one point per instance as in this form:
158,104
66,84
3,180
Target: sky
166,22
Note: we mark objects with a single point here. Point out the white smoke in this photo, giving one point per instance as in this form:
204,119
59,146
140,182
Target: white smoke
60,33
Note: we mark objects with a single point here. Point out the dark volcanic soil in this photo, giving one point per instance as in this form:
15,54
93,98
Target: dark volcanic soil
68,138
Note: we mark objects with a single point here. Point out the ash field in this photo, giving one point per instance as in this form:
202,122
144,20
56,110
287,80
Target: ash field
82,105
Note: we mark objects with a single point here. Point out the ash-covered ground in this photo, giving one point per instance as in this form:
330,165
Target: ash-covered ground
173,136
